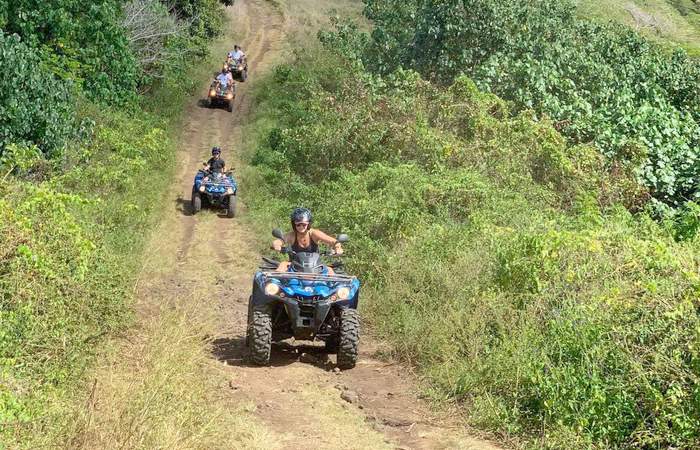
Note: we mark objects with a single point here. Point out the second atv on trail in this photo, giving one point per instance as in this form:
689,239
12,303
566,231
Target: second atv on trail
238,68
219,191
222,95
307,302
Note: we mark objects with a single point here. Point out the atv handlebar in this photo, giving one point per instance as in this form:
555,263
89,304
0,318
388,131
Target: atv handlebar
287,250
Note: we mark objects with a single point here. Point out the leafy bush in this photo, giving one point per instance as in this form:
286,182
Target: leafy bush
600,83
66,260
35,107
84,42
206,19
495,257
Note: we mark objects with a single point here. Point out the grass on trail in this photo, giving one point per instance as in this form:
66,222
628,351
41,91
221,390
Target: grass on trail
163,390
672,22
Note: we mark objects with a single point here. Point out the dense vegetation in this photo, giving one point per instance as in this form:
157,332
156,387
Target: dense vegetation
600,83
84,157
496,257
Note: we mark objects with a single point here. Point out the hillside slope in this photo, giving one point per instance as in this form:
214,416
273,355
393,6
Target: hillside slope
672,22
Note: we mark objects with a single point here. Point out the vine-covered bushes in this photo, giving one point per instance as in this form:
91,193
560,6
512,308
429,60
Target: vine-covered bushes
84,160
603,84
495,257
66,259
35,107
81,41
54,55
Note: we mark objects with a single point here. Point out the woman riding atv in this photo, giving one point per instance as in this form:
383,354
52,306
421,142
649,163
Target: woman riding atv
304,238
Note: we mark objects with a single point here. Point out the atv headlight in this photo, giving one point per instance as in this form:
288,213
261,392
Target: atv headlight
343,293
271,289
229,96
212,93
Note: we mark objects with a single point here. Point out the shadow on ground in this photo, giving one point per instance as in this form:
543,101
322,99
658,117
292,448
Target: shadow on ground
184,205
234,352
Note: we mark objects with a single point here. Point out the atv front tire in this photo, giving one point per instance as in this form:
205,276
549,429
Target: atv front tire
231,208
196,202
260,337
229,107
349,338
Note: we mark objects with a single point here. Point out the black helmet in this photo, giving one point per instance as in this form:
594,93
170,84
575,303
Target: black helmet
215,150
301,215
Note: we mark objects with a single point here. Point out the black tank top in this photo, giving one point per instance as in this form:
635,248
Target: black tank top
312,248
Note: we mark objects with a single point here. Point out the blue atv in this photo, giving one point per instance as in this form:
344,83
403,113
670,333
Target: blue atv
307,302
220,190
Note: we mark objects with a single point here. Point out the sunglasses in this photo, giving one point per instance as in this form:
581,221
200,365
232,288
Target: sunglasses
301,224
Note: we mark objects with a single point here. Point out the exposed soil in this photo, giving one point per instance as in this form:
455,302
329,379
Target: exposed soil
299,397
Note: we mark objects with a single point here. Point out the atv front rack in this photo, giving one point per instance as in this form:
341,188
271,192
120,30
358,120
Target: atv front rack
309,276
215,184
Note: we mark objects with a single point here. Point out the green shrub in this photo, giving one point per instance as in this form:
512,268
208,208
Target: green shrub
495,257
599,83
83,42
66,260
74,203
35,107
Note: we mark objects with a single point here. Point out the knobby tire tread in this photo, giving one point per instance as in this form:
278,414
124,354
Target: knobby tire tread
260,332
348,346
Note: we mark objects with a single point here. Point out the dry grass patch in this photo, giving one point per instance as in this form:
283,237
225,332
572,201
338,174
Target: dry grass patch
158,389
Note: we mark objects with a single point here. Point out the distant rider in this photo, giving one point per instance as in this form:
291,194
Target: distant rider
215,165
237,55
304,238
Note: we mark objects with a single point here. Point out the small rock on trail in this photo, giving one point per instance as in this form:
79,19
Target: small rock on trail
350,397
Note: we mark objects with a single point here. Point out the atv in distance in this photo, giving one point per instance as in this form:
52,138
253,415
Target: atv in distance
239,69
220,190
219,95
310,301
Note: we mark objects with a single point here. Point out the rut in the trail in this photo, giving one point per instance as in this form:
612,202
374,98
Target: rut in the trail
299,402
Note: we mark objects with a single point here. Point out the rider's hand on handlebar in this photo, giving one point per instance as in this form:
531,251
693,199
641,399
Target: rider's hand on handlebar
337,249
277,246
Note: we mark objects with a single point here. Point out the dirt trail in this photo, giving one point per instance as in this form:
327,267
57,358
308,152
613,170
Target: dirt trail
298,400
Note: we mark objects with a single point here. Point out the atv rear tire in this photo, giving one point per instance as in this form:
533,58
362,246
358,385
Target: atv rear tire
349,338
196,202
231,208
260,337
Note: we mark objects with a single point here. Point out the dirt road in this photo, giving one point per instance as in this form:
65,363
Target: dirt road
300,400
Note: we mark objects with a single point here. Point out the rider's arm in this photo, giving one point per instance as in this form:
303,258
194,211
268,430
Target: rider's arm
277,244
320,236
